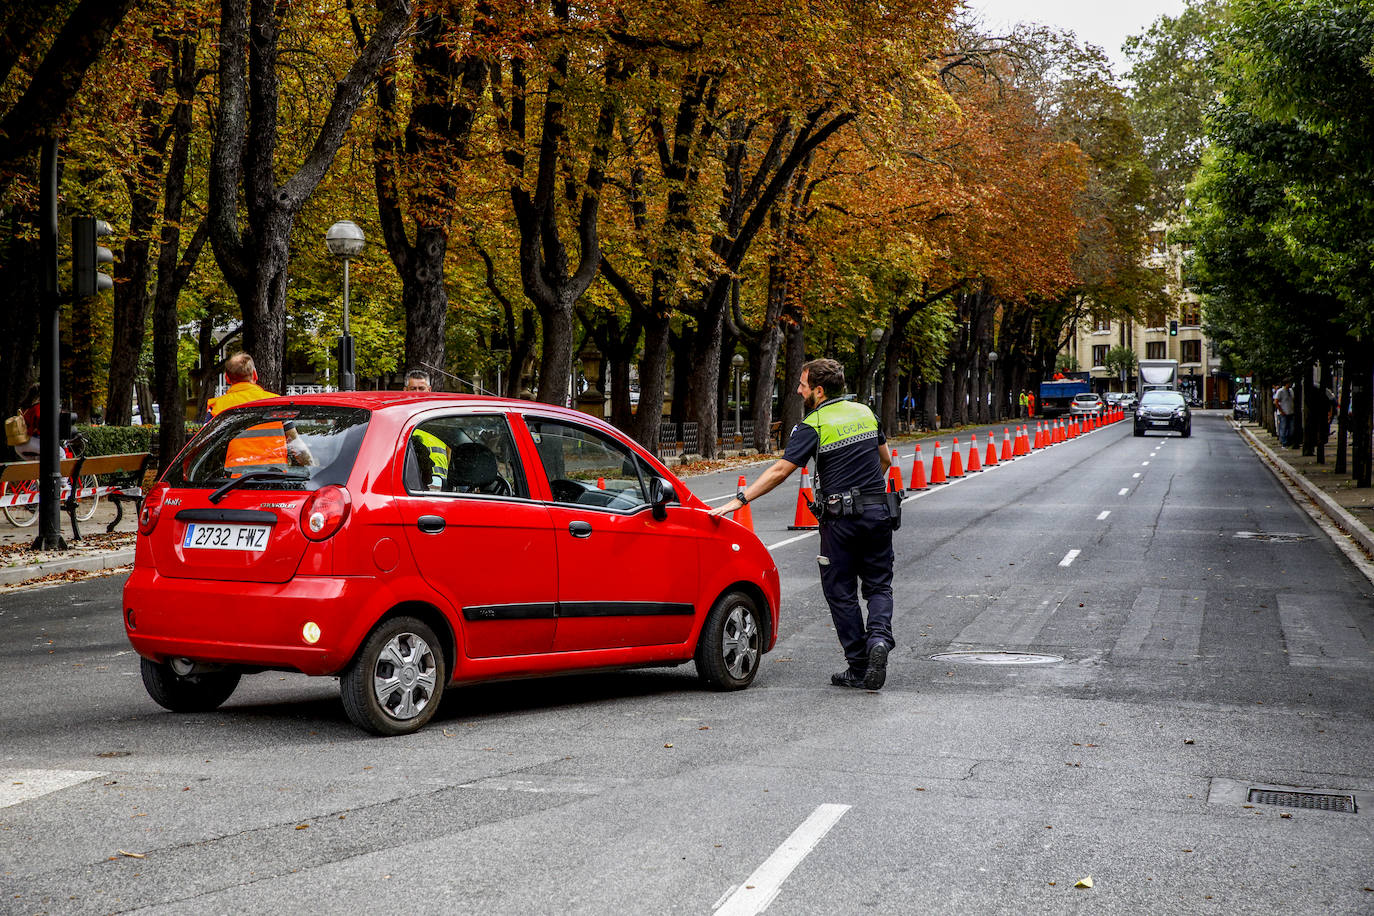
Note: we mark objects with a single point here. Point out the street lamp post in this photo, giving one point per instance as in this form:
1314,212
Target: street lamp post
738,362
345,240
992,385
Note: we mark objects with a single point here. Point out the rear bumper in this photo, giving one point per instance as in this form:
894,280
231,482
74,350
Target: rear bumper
248,623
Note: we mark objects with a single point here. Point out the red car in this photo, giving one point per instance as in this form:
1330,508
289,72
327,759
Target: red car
406,542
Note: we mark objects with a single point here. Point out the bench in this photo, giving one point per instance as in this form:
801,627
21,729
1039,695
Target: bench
127,470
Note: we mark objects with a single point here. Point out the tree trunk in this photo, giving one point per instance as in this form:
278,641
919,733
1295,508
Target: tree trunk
19,271
244,168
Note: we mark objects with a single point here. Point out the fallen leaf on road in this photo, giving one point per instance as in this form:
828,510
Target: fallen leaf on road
667,745
1085,882
302,826
1286,816
1187,740
132,855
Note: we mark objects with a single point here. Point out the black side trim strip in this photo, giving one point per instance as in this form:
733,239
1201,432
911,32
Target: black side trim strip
551,610
250,516
546,611
624,609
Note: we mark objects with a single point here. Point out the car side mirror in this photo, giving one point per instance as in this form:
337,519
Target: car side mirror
660,494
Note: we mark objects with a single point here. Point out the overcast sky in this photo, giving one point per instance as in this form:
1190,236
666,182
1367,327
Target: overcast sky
1105,23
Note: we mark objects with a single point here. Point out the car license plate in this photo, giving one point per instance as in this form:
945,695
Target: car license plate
226,537
1159,422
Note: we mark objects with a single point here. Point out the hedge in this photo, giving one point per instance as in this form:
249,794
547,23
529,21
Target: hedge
120,440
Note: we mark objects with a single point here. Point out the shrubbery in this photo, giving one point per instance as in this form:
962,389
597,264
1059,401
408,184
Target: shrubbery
120,440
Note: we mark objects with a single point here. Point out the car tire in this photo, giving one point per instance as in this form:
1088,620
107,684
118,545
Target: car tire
730,646
395,682
1187,431
187,693
1140,433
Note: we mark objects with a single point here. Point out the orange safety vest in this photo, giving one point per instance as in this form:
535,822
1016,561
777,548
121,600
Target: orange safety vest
257,447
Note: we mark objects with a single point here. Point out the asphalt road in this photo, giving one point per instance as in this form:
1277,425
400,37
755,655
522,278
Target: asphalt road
1198,661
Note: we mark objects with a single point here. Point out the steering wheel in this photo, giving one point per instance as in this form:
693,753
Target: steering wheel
498,487
566,491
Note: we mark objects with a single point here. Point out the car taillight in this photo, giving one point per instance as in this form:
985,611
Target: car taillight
152,508
324,512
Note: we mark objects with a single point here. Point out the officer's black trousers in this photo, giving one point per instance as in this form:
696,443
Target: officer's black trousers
854,550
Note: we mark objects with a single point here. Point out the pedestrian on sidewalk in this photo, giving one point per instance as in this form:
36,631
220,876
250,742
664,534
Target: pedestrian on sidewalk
852,460
1022,402
1283,414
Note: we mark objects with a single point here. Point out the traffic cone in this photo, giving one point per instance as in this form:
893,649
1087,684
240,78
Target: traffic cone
937,467
956,463
744,514
805,496
991,460
1058,435
1039,441
1019,447
601,483
918,472
1008,447
974,463
894,473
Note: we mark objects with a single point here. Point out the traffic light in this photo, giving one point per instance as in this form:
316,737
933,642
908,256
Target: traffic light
1173,328
88,255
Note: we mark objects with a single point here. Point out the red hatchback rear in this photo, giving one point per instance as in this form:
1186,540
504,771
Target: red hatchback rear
408,542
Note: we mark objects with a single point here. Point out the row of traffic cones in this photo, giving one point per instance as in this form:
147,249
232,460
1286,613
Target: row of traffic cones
1023,442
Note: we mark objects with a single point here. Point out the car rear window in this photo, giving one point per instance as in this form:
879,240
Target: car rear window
311,445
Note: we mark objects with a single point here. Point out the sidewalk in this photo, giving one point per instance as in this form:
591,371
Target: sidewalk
1350,509
95,552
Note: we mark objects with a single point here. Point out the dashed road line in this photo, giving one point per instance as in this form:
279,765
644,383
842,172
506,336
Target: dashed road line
1123,491
1103,514
18,786
1069,558
758,890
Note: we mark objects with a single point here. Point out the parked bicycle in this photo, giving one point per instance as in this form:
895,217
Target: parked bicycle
25,514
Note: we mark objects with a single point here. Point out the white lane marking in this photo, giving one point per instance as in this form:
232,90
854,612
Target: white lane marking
1144,464
793,540
1069,558
1135,475
1123,491
716,499
759,889
1104,514
18,786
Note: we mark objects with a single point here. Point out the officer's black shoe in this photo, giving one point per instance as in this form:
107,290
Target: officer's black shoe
847,678
876,675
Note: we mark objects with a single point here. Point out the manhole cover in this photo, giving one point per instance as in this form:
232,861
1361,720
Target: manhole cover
1275,538
984,657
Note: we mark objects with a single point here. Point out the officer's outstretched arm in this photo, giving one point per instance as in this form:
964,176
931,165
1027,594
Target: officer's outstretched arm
777,472
885,456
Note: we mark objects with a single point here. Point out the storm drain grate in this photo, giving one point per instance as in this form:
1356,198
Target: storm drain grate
1313,801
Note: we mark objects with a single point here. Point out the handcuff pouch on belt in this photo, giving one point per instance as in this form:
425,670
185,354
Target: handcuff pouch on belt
851,503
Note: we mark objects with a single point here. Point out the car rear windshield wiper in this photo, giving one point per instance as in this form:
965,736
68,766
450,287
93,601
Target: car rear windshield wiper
269,474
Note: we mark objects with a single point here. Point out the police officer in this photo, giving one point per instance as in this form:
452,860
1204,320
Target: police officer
418,380
852,459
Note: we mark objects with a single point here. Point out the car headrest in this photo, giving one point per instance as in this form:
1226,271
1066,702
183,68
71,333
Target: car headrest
471,465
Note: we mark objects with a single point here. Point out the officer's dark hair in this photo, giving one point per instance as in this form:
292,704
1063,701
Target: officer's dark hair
827,374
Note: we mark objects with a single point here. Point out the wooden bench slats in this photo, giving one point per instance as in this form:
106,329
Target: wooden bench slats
130,463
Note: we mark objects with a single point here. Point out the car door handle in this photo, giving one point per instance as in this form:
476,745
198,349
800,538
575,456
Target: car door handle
430,524
580,529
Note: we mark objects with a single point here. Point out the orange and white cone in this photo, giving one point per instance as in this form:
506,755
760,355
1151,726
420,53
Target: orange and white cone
894,473
991,460
918,472
937,467
974,462
744,514
805,496
956,462
1008,446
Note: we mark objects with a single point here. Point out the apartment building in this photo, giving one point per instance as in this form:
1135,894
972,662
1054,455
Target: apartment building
1171,333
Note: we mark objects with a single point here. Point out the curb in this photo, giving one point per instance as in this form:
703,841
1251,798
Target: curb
20,574
1349,524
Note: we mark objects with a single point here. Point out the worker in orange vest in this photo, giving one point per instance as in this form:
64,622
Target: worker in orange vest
1030,403
267,445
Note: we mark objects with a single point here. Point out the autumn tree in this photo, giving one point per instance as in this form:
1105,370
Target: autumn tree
252,210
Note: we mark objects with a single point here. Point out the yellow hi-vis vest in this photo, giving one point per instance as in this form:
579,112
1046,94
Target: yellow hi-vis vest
841,423
438,455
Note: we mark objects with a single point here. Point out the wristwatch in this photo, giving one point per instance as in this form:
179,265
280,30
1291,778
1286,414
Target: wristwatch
743,500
